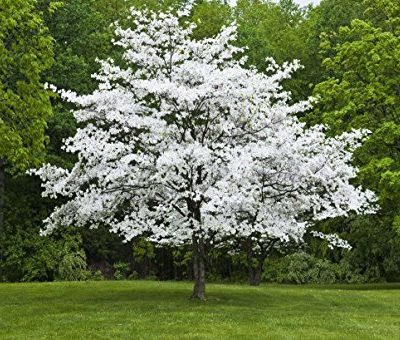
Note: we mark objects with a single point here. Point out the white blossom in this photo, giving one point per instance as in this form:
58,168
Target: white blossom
184,141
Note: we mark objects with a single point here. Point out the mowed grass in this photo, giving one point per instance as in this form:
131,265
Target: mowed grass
162,310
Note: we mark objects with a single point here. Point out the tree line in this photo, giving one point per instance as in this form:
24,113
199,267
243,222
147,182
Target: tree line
350,52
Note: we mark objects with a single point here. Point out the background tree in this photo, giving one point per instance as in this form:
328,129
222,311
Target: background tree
362,91
210,16
26,50
319,23
77,34
277,30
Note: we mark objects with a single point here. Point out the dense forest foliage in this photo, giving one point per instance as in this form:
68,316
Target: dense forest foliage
350,50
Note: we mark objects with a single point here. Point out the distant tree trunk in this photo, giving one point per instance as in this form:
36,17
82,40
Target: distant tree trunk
255,260
199,269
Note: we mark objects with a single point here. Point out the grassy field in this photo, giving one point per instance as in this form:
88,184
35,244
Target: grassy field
161,310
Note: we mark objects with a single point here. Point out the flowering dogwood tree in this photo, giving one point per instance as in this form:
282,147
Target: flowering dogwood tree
186,146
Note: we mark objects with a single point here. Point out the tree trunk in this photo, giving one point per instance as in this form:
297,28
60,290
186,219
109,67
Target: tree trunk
199,269
254,264
255,275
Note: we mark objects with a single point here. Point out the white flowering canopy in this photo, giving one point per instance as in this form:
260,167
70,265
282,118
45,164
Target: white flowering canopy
183,141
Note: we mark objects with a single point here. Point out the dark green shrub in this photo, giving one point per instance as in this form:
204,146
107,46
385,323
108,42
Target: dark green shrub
72,264
120,270
72,267
301,268
133,276
27,256
97,276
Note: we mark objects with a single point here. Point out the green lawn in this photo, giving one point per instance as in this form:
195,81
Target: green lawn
161,310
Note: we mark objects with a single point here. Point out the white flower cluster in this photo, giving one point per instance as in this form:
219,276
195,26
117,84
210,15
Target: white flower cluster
333,240
184,142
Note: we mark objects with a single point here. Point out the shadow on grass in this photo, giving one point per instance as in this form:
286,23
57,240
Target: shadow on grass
140,293
156,295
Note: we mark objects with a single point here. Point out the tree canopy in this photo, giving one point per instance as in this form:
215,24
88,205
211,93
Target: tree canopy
26,52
